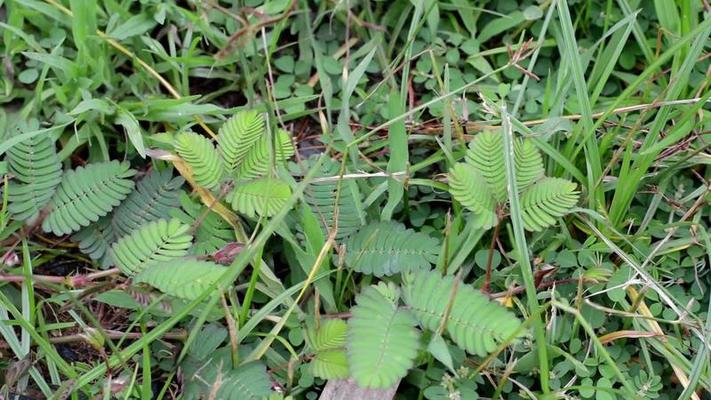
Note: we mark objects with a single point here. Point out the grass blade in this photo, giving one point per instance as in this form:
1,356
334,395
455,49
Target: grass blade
596,195
522,250
399,153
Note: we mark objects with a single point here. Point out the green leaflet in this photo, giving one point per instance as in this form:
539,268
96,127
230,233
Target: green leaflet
246,149
86,194
212,233
263,197
202,157
321,198
386,248
328,343
547,200
237,137
246,382
474,323
154,197
331,335
529,163
486,155
154,242
383,341
183,278
330,364
469,188
257,162
95,240
479,184
37,172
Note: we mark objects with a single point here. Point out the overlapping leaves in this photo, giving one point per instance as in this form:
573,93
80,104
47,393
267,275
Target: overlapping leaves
328,343
86,194
474,323
479,183
182,278
36,170
155,242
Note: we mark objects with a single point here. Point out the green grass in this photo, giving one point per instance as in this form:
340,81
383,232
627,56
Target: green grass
380,100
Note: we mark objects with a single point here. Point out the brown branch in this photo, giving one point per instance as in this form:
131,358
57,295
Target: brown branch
73,281
490,258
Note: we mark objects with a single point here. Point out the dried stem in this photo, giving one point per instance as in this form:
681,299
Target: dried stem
542,285
180,335
490,258
73,281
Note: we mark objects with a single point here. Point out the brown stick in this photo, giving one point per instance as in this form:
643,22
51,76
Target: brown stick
74,281
231,327
490,258
175,335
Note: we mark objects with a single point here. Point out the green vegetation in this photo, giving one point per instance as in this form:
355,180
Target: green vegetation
263,198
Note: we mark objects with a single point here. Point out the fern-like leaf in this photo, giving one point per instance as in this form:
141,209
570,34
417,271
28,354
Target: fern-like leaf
386,248
470,188
154,197
215,377
328,342
246,382
238,135
86,194
486,155
330,364
37,173
474,323
529,163
199,153
546,200
331,335
155,242
321,198
185,279
95,240
258,160
383,341
212,233
263,197
389,290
